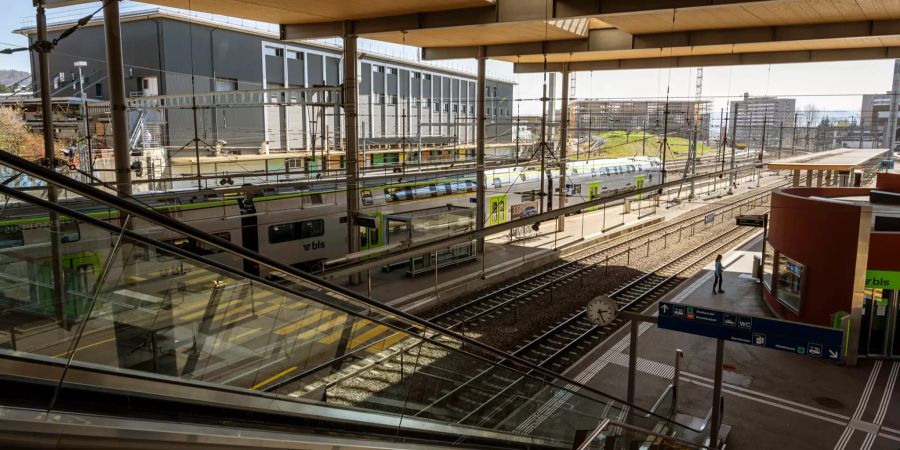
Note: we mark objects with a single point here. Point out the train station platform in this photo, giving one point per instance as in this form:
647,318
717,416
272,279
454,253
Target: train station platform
772,399
832,167
506,258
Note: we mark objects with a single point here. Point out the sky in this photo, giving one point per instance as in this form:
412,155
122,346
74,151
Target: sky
834,86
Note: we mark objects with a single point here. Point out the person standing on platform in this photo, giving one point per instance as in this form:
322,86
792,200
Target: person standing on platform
717,281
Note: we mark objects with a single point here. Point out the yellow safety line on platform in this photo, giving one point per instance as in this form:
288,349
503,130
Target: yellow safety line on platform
238,336
273,378
334,337
85,347
300,324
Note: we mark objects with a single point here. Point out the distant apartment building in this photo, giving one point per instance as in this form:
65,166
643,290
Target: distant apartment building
676,117
166,53
761,120
875,115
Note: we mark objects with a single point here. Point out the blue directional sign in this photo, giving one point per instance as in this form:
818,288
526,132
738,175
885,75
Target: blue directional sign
802,339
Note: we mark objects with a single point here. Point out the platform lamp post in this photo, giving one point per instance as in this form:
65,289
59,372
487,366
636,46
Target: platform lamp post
85,115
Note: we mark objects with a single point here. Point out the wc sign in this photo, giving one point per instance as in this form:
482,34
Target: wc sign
882,279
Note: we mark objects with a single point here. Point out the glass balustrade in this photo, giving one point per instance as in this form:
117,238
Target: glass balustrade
181,311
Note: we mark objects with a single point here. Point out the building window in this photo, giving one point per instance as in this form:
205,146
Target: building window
272,51
427,77
417,75
98,90
297,230
392,71
427,102
789,289
294,54
226,84
378,69
489,111
494,90
768,265
471,109
455,107
446,107
379,99
392,99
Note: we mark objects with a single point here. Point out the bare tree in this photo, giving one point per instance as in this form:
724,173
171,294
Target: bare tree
811,114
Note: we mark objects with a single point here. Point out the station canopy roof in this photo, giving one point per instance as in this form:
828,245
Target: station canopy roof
540,35
842,159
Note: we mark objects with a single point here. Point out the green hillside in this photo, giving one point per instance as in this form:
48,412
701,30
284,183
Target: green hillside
620,144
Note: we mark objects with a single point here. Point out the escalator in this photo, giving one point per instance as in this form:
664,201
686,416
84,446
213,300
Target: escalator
157,344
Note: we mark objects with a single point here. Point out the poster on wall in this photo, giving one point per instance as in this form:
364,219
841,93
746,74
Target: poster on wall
525,209
518,211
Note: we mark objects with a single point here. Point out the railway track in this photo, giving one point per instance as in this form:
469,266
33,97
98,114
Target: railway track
490,396
486,398
501,299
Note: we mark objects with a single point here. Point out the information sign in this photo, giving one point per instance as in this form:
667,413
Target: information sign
751,221
810,340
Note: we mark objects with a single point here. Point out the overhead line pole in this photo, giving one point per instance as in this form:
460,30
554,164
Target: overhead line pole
563,143
350,92
50,159
481,95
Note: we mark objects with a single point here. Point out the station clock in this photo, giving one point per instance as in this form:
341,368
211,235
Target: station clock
602,310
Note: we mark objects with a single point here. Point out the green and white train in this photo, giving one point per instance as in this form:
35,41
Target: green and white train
300,226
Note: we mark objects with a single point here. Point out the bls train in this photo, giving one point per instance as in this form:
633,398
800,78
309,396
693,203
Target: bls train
300,226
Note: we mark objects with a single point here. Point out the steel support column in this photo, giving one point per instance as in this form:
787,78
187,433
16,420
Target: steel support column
50,157
563,141
480,89
350,97
116,73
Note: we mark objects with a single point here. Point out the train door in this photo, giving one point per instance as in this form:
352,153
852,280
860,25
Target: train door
371,237
879,334
497,209
80,272
593,193
249,231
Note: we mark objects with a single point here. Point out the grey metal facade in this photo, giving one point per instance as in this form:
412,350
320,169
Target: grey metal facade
400,102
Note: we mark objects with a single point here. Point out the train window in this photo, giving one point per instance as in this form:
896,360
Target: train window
281,233
397,194
633,168
11,237
593,172
522,176
367,197
470,186
297,230
194,246
433,190
497,183
69,232
312,228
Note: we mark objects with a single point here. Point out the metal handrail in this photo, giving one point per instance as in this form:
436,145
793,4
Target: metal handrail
165,221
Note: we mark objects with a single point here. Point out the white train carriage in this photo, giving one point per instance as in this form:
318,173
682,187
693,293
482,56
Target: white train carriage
304,228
